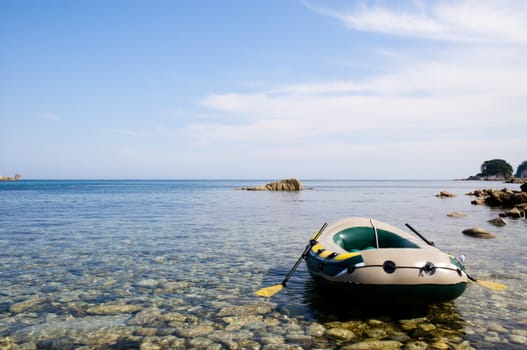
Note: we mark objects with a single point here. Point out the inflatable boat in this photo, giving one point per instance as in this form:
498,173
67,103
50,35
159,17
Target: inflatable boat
375,262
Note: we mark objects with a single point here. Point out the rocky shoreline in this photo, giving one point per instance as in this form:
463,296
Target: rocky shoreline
509,180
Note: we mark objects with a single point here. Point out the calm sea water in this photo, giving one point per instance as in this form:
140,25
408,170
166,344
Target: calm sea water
197,247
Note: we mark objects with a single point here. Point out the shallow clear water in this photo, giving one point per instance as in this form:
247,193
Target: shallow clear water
72,250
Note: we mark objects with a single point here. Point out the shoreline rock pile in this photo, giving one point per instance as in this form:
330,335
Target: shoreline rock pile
282,185
514,201
514,204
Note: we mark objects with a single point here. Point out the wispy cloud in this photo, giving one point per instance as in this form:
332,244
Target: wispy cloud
462,89
462,86
462,101
470,21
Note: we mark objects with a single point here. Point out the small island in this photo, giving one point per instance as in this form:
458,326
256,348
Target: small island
9,178
282,185
500,170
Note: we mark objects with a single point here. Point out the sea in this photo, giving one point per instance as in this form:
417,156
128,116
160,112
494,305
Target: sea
175,264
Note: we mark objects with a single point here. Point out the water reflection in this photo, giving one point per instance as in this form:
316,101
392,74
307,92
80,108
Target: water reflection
328,305
439,325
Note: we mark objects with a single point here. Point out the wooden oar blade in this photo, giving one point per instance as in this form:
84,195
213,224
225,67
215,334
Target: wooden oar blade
269,291
492,285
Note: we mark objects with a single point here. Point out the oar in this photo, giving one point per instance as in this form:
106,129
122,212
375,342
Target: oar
272,290
420,236
488,284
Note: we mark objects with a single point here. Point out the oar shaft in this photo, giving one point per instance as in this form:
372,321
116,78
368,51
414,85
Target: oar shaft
421,236
311,243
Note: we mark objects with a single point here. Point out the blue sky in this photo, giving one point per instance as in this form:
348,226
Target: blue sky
261,89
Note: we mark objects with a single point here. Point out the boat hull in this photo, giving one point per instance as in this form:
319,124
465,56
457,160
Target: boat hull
393,294
397,270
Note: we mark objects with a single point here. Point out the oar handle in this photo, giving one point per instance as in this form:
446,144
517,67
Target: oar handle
311,243
421,236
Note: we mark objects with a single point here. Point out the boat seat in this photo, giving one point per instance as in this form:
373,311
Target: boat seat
363,237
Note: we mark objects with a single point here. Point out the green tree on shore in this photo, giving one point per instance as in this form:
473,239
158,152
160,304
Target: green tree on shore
496,167
521,172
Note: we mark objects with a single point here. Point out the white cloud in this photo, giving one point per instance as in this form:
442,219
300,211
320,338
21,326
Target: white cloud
470,21
464,90
464,105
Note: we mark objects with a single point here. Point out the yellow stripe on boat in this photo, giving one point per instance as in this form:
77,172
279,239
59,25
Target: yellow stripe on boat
346,256
317,247
325,253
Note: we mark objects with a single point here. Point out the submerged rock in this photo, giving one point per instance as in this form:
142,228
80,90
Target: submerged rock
252,309
416,345
29,304
478,233
375,345
340,334
168,342
114,309
316,330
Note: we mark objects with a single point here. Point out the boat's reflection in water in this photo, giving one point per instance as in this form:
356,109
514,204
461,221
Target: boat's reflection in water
326,305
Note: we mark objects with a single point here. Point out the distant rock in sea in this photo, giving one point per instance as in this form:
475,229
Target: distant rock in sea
282,185
9,178
456,214
445,194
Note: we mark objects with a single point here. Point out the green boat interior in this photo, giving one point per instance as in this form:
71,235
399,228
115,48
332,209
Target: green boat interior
362,238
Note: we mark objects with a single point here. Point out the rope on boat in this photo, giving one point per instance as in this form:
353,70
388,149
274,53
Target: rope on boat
375,233
426,269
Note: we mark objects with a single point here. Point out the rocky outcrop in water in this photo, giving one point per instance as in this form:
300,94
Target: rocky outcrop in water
506,198
282,185
456,214
9,178
515,202
498,222
445,194
478,233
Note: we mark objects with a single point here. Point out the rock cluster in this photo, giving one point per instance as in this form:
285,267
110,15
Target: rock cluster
515,201
514,204
282,185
